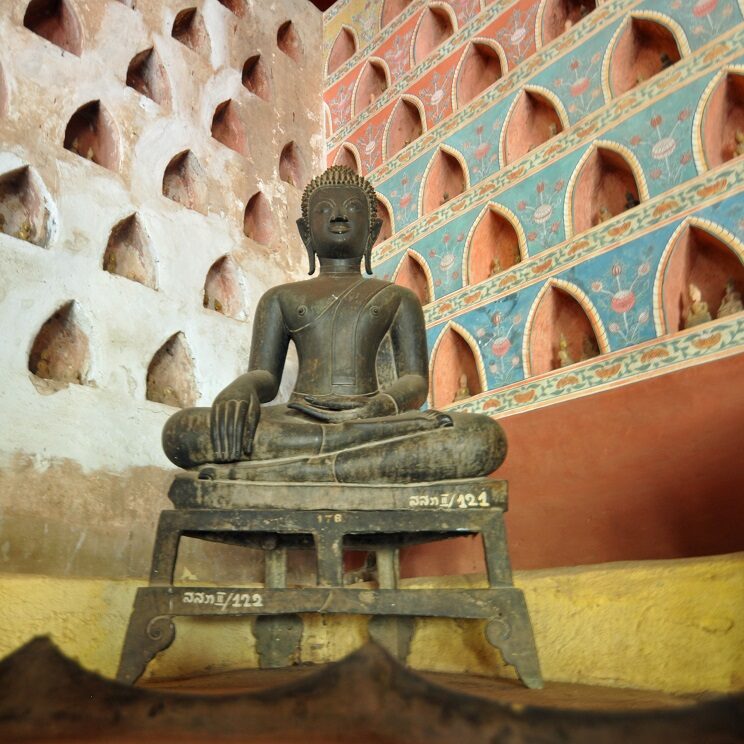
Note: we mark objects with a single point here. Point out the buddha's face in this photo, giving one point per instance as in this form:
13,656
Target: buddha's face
339,222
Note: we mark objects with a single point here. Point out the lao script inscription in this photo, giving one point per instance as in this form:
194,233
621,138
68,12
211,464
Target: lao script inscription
224,600
452,500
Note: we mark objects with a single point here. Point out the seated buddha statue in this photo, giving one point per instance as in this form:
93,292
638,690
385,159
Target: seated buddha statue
343,422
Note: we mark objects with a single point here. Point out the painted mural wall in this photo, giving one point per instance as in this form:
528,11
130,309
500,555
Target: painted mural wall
561,185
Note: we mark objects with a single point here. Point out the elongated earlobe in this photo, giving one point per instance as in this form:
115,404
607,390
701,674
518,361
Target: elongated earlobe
374,231
304,231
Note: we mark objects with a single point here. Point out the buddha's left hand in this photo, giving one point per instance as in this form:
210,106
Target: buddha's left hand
342,408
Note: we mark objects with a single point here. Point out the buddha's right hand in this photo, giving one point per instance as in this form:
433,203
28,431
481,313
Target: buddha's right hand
233,425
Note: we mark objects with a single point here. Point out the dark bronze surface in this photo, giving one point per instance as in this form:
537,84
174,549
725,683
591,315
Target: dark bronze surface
363,373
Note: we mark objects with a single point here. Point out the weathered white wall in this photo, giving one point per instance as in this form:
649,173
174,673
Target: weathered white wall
98,444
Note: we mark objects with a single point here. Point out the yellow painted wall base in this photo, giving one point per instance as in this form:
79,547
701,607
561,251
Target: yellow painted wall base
675,625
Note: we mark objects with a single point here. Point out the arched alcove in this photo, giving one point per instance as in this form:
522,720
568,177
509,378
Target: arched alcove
411,274
383,212
258,222
532,120
91,133
722,125
643,49
405,125
61,350
288,41
454,361
129,253
55,21
184,181
391,9
190,30
343,49
372,82
292,165
346,156
222,290
481,66
435,26
234,6
494,246
256,78
445,179
24,212
560,15
700,258
170,374
147,76
228,127
561,332
605,186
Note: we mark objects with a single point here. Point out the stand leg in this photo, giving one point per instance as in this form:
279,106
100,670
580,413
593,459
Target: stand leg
164,551
393,633
278,640
510,630
148,633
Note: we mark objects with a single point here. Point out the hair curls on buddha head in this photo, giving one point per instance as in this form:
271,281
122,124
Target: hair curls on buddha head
341,175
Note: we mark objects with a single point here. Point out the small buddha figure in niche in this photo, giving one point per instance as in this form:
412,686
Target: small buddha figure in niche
25,230
697,312
731,302
552,129
463,391
564,355
589,348
666,60
739,143
345,421
603,214
495,267
631,200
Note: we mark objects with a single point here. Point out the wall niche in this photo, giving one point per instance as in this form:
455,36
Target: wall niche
434,28
258,222
391,9
147,76
561,333
412,275
129,253
643,49
292,166
190,30
228,127
605,187
532,121
255,77
60,351
91,134
723,121
23,208
222,290
494,246
184,182
386,230
170,374
288,41
446,178
406,124
700,258
343,49
455,370
372,83
346,156
237,7
560,15
55,21
480,68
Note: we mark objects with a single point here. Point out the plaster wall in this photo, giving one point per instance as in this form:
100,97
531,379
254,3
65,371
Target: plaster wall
83,475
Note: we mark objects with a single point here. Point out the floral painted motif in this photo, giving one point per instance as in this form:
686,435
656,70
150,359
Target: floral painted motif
340,104
397,56
517,36
541,212
365,20
499,337
436,96
704,19
580,85
405,198
481,150
370,146
625,293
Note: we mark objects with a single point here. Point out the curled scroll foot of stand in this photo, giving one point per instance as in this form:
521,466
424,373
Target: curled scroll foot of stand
147,636
517,645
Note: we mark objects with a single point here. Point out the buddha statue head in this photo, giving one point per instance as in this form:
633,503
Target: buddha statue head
339,217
